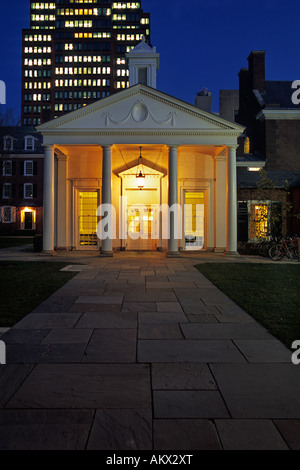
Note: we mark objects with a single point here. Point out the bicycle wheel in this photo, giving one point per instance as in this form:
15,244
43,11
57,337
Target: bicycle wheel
276,253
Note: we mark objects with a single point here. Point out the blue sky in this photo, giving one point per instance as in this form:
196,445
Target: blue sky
201,43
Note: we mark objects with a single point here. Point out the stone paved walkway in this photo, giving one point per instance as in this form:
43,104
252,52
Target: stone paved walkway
144,353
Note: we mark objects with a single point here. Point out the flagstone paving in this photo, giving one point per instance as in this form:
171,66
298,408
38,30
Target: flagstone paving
142,352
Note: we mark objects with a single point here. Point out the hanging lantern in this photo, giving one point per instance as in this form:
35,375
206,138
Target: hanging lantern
140,174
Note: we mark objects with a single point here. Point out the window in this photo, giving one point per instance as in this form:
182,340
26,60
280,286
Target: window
28,190
7,168
29,143
28,168
142,75
8,143
247,145
7,214
259,220
7,191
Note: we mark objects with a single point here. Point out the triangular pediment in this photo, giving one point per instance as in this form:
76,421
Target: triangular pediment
147,170
139,108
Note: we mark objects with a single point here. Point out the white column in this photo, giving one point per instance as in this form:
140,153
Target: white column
106,245
48,202
173,200
62,203
220,200
231,243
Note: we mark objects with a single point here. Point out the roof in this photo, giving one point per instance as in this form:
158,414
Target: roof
277,94
249,179
19,133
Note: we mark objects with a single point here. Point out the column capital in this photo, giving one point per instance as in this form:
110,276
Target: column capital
232,148
48,146
173,147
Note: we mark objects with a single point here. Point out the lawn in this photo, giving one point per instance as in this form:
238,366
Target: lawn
24,285
8,242
268,292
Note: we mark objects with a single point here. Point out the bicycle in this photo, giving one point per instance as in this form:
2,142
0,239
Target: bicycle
288,247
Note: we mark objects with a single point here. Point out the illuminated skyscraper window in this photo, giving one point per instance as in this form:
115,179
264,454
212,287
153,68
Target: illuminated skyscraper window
77,46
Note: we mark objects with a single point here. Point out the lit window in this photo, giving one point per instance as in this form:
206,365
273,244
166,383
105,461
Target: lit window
247,145
259,220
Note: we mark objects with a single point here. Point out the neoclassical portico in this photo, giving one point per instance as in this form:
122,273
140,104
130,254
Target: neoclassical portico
91,160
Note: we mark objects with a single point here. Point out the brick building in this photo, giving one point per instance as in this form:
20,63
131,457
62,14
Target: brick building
271,142
21,181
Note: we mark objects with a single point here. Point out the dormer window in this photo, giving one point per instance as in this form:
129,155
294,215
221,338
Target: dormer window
8,143
29,142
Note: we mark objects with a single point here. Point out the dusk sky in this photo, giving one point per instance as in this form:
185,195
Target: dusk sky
201,43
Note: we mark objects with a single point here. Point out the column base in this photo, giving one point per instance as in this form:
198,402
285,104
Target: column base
48,253
219,250
232,254
106,254
173,254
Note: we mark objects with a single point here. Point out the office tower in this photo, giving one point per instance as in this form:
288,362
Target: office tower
75,53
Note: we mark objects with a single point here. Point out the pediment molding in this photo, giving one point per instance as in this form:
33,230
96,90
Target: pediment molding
142,110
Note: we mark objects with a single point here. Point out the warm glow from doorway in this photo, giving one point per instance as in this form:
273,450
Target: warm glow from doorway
27,209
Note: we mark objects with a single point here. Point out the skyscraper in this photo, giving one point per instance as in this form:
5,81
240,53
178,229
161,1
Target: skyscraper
75,53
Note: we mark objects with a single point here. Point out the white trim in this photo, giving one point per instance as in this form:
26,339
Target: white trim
279,114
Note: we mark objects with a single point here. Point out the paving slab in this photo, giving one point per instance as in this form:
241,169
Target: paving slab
48,321
259,390
290,431
107,319
111,346
84,386
264,350
249,434
186,376
231,331
44,429
189,404
161,317
150,330
44,353
15,336
68,336
11,378
185,435
188,351
121,430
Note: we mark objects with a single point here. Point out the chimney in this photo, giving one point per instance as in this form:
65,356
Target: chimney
256,61
203,100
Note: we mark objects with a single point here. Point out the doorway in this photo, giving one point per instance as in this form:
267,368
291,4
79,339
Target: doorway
194,218
142,222
87,219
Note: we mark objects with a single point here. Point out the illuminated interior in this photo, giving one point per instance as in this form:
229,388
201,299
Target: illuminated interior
194,220
259,221
88,203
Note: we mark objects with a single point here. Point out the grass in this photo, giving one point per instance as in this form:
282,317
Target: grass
24,285
268,292
8,242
